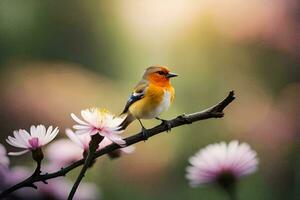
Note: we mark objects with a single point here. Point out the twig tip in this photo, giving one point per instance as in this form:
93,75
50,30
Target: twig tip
231,94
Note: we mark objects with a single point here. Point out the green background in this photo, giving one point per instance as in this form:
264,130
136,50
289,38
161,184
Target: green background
58,57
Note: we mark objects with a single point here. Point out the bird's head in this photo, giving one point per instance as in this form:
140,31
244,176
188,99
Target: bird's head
159,75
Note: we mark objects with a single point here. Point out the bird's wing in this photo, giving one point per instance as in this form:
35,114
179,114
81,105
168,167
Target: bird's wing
137,94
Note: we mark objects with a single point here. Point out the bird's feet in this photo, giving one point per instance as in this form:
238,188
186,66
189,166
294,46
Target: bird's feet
145,133
166,123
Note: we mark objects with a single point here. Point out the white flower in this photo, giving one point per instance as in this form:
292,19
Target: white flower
99,121
221,160
37,138
4,161
83,142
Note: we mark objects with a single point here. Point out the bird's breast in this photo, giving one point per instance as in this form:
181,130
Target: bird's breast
153,104
165,103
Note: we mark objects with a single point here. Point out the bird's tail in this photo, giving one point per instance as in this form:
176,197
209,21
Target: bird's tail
129,118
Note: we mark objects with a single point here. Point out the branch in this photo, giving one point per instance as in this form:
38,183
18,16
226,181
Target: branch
215,111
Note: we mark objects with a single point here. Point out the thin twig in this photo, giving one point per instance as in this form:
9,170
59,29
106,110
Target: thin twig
214,112
95,141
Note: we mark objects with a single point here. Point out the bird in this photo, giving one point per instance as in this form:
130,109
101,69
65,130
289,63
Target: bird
151,96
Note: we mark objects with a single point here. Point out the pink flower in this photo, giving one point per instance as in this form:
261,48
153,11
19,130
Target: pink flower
58,189
37,138
83,142
99,121
10,177
220,161
63,152
4,161
16,174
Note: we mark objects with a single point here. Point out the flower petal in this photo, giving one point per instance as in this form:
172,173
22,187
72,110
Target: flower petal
74,138
17,153
211,162
128,150
76,119
13,142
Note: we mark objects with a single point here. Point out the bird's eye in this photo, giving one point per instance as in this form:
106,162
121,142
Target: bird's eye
161,73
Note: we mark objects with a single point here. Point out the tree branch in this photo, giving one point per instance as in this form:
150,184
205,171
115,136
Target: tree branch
215,111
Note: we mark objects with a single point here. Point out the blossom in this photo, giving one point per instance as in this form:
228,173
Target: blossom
37,138
83,142
16,174
99,121
105,142
11,176
4,161
221,163
67,154
56,189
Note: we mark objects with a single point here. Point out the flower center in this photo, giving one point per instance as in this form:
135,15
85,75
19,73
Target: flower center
226,179
98,129
34,142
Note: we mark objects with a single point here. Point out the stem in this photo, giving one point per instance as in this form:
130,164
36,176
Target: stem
37,170
38,156
232,194
96,139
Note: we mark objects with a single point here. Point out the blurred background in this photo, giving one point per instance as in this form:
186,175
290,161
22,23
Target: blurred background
58,57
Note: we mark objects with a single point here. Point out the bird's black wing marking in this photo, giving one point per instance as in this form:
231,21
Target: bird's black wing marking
135,96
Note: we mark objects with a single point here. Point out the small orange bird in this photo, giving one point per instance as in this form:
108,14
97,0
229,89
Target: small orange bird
152,96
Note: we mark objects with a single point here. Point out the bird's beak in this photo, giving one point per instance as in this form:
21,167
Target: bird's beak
171,75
